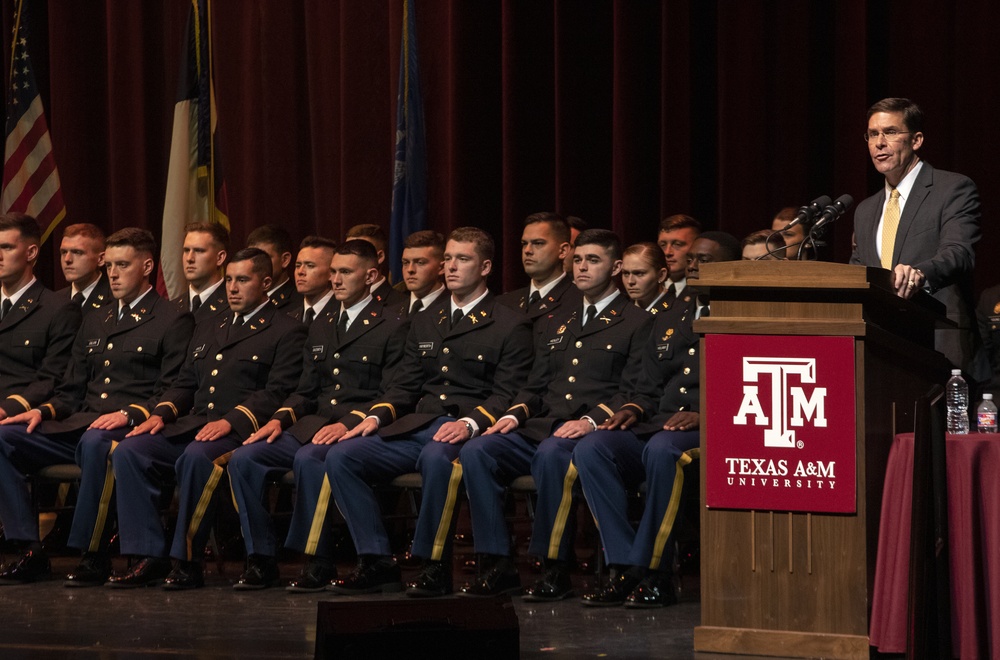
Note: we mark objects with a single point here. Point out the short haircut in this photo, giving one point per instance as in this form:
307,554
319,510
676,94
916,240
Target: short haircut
731,250
25,225
576,223
260,263
360,248
772,238
786,214
318,242
271,235
372,232
140,240
679,221
425,238
483,242
651,253
86,230
557,224
913,116
606,238
219,234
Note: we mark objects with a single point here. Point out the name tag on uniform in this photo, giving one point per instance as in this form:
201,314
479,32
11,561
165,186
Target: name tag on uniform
555,340
93,343
425,346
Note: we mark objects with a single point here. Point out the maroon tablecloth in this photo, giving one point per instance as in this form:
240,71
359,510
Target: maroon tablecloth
974,544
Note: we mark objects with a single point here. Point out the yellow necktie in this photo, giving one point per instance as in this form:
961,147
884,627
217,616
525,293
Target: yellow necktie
890,223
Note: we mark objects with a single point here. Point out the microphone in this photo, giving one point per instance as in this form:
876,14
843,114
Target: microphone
807,213
833,211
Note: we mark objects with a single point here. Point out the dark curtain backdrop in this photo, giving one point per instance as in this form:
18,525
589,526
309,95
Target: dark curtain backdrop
620,112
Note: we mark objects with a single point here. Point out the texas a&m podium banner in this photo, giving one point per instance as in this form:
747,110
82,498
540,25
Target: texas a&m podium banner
780,423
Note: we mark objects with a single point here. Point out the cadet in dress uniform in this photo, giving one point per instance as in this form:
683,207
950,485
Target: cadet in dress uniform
619,457
122,357
277,243
312,277
81,256
644,277
580,365
226,389
348,361
465,359
544,246
382,291
206,246
423,271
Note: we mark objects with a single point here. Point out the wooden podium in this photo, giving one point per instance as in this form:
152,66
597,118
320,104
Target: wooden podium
799,584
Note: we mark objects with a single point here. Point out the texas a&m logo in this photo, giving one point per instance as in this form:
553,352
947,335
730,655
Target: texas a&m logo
792,405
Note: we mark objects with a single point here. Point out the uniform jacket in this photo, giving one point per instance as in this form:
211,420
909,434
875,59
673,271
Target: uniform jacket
390,297
120,365
582,370
98,298
287,298
562,293
217,304
341,374
471,370
36,340
240,375
938,230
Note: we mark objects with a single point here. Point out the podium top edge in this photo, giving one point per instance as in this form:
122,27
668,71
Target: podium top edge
792,275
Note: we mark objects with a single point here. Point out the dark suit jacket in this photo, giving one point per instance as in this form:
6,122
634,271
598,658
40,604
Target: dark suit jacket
582,370
36,340
937,233
98,298
339,375
241,376
472,370
120,365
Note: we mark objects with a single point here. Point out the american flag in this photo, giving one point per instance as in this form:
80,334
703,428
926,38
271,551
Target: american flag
30,178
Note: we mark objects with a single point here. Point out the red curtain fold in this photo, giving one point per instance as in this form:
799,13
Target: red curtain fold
620,112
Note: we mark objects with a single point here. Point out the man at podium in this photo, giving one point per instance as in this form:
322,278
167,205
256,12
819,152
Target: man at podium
922,226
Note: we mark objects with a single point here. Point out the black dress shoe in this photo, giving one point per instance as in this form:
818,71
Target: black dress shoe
93,571
554,585
615,592
314,576
184,575
372,574
500,578
147,572
261,573
434,580
655,590
32,566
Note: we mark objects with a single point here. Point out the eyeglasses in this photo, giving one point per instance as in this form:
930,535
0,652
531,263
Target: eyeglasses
890,135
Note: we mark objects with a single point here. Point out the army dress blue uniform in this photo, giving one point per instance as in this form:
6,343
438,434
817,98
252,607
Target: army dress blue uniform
116,365
339,375
469,369
578,371
241,374
613,463
99,296
542,310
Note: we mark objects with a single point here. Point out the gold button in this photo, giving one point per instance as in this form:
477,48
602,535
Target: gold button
215,372
446,350
479,357
575,362
569,397
107,380
680,408
336,371
447,383
443,397
254,358
27,342
211,406
579,344
364,358
609,347
139,349
107,363
104,395
110,346
211,390
445,368
336,356
333,402
690,351
337,386
687,370
572,379
684,390
218,357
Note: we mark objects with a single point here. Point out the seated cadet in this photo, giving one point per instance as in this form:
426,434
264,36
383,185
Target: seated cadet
677,234
276,242
580,363
465,358
793,238
544,247
345,364
622,454
206,246
381,291
423,270
122,357
312,277
645,276
233,380
576,225
763,244
81,256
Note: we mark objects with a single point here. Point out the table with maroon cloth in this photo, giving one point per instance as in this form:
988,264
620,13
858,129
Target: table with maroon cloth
973,544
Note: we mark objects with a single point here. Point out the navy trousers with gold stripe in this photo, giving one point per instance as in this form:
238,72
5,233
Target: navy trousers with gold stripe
312,515
610,463
201,481
95,503
22,453
353,465
250,468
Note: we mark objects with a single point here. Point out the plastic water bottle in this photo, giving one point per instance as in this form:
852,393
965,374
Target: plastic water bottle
986,415
958,403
